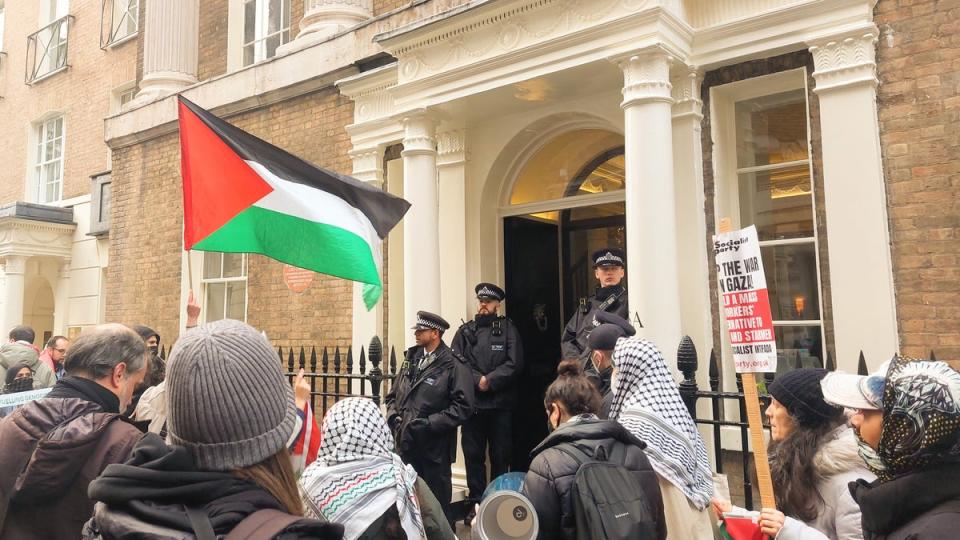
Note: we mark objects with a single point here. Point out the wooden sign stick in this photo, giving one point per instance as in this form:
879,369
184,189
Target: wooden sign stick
755,424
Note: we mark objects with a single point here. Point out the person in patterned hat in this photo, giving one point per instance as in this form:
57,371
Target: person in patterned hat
907,422
610,296
431,396
491,345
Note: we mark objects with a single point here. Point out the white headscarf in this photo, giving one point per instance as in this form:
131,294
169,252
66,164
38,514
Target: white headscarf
357,477
647,402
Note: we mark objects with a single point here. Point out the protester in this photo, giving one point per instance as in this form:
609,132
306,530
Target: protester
230,414
19,379
813,457
53,447
20,350
908,432
54,353
647,402
386,499
599,365
572,402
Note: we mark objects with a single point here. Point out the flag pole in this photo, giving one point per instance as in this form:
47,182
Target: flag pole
189,270
755,423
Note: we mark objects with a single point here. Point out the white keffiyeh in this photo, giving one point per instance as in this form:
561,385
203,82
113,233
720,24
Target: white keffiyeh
357,477
647,402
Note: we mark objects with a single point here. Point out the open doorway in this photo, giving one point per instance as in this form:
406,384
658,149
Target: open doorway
548,239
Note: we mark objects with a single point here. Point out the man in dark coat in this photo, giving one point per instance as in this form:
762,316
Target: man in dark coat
599,367
431,396
611,296
53,447
491,345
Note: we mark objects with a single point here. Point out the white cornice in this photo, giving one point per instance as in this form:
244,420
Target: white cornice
33,238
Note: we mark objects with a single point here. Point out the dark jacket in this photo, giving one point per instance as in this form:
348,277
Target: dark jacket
442,393
52,448
492,348
924,505
146,498
573,343
549,481
435,524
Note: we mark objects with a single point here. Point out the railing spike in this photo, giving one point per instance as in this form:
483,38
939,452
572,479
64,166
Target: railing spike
862,365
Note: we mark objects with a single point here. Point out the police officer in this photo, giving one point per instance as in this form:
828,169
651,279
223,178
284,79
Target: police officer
492,347
603,341
608,268
431,395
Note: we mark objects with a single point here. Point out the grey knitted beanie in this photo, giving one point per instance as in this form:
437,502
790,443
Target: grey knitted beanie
228,402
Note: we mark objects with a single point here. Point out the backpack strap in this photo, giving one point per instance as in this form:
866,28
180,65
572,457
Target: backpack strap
262,525
577,452
200,521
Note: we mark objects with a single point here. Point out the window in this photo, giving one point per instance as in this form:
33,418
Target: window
127,96
266,26
225,286
47,47
49,160
771,163
100,199
119,21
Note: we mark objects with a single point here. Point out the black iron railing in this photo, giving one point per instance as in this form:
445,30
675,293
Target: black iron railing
47,50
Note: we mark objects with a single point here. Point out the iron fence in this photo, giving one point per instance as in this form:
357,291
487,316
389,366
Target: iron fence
47,50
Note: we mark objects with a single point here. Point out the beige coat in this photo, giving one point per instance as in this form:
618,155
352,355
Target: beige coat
684,520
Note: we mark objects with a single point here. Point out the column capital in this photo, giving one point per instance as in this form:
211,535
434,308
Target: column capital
368,164
845,60
419,134
14,264
451,147
686,94
646,77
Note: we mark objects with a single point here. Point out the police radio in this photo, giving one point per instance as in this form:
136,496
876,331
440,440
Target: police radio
505,513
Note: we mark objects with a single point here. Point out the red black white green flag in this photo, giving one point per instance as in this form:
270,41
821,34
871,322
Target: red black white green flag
244,195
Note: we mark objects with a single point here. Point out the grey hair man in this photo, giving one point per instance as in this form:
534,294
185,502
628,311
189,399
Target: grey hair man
103,366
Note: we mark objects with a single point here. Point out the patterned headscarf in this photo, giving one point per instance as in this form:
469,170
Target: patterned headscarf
921,418
647,402
357,477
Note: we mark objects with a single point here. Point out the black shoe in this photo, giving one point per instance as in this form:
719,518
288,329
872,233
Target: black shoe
470,515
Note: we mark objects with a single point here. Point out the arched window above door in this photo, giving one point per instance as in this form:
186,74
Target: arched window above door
581,162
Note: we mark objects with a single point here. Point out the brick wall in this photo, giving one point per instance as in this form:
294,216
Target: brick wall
741,72
382,6
212,58
147,219
918,59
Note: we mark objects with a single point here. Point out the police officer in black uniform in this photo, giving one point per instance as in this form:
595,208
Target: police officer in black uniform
431,395
608,265
492,347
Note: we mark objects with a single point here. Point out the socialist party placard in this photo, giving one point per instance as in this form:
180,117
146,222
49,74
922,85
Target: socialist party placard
745,301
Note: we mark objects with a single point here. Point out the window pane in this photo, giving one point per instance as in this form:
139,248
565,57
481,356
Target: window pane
778,203
805,341
772,129
272,43
248,55
214,304
791,273
232,265
249,21
105,195
211,265
236,300
274,17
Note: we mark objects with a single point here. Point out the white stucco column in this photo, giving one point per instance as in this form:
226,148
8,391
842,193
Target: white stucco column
652,273
421,235
693,271
170,41
367,167
324,18
14,268
861,276
451,165
61,299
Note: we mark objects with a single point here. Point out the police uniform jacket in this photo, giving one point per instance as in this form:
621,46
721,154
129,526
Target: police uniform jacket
441,392
575,335
493,349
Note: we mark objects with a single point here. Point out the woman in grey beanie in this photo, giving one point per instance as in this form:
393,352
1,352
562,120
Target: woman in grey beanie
225,467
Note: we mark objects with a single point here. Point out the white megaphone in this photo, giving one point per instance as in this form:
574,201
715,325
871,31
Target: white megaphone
505,514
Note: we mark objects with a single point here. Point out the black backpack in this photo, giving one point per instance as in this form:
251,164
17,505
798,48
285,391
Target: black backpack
608,501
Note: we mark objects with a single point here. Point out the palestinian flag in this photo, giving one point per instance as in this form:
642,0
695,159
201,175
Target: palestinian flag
244,195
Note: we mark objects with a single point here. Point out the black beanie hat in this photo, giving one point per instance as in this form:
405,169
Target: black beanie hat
799,391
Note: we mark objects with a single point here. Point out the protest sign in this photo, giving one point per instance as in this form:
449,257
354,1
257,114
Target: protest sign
743,289
746,302
19,398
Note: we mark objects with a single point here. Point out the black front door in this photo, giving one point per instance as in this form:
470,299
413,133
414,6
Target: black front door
532,264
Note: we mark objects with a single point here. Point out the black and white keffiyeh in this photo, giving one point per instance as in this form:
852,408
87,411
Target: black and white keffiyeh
357,477
647,402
